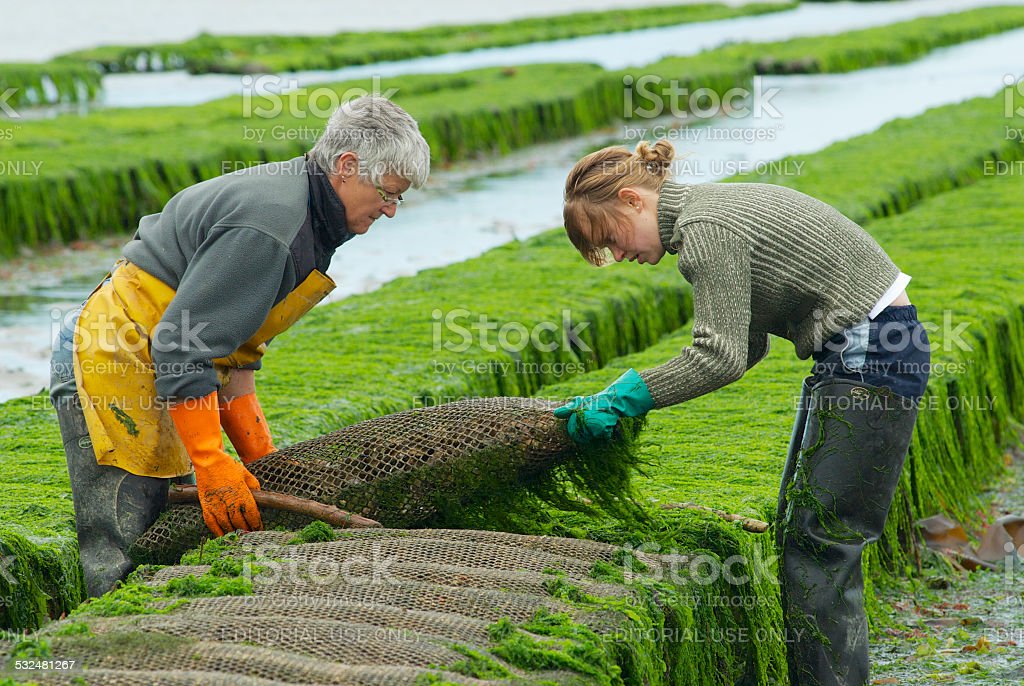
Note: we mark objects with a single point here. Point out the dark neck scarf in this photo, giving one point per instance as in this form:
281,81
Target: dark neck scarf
327,213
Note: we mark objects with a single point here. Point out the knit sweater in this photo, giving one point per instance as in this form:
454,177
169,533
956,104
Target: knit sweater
762,259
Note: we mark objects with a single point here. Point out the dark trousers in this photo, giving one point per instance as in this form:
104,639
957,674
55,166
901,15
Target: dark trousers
853,426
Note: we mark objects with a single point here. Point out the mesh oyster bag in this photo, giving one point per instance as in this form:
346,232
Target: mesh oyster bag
405,469
381,607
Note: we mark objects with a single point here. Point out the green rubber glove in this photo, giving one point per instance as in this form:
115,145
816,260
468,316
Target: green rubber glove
595,416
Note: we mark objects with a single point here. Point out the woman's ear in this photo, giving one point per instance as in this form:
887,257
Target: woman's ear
631,198
346,165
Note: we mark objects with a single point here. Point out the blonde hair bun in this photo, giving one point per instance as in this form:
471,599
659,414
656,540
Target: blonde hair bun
658,157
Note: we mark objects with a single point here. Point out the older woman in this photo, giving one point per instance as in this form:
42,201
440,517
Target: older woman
162,353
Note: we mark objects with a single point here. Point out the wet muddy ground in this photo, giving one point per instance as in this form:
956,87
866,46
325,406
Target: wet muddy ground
960,627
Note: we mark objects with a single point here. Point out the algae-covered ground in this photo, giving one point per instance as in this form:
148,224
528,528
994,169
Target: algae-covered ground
448,604
941,208
700,451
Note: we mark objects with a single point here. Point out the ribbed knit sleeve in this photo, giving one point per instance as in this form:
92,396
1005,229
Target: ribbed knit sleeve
717,263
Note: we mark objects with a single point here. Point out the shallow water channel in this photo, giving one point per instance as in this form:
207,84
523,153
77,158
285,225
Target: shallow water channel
611,51
473,207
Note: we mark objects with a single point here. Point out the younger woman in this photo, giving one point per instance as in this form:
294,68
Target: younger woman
765,259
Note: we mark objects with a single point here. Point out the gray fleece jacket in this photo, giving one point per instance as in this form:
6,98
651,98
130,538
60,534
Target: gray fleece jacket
233,247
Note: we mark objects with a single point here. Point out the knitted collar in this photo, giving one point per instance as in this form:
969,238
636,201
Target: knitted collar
670,204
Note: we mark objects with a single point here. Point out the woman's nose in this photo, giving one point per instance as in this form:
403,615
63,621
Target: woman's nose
389,210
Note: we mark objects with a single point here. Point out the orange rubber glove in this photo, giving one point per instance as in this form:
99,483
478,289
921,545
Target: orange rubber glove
225,485
245,424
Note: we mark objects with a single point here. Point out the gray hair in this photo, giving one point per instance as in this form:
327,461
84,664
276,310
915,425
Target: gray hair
381,134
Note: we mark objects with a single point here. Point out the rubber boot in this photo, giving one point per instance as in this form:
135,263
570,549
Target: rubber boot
852,452
795,440
792,454
112,507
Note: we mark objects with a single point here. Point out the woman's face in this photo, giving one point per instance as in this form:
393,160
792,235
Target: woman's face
363,203
638,239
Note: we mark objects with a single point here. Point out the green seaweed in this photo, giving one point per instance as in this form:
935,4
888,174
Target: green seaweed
211,550
641,649
32,648
125,420
27,85
127,599
607,299
73,629
557,643
212,584
477,665
315,532
39,577
691,454
227,566
493,488
100,173
227,576
246,54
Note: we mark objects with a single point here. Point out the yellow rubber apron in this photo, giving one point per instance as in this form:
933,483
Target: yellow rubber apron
114,373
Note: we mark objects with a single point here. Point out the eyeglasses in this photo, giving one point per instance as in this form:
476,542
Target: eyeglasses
396,200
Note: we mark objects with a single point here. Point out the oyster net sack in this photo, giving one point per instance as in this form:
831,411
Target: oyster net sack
372,607
408,468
